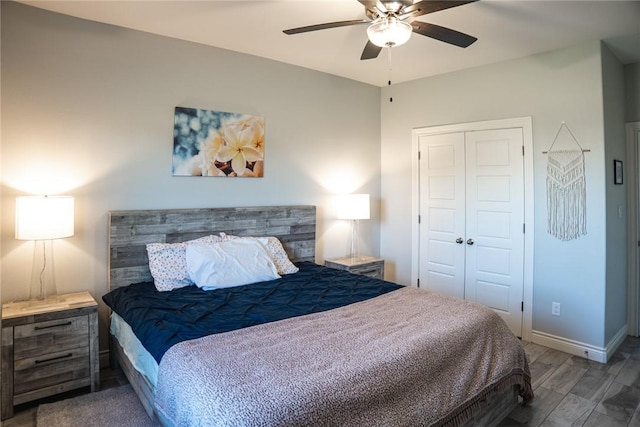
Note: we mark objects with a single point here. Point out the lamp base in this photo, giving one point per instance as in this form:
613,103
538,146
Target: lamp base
353,252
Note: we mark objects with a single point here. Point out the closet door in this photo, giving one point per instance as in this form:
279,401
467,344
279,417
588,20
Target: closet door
442,213
471,218
494,259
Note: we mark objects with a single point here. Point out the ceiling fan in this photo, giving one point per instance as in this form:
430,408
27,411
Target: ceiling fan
392,22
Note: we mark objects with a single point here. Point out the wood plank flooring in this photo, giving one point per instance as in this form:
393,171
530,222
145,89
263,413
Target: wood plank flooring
570,390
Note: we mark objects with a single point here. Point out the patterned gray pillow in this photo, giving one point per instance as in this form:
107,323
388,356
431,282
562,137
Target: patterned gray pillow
168,263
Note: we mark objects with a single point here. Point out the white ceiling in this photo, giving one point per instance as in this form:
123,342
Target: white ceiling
505,30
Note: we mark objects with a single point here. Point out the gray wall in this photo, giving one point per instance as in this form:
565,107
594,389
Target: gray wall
632,92
87,111
616,196
563,85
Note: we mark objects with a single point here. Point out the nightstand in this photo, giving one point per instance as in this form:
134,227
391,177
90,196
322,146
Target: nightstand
49,346
364,265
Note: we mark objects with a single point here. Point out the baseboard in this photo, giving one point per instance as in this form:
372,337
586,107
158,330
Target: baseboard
588,351
617,340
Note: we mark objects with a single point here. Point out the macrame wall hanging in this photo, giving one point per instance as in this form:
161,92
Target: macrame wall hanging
566,188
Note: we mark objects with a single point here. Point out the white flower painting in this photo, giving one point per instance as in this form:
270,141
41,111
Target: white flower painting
216,143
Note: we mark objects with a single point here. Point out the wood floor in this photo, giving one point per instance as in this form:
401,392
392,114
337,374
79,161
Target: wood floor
570,390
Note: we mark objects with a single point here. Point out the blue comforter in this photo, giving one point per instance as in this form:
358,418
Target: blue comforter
162,319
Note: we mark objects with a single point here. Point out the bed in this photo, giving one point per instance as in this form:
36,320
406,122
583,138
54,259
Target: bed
365,352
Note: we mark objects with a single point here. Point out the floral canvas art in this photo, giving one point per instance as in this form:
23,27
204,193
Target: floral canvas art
216,143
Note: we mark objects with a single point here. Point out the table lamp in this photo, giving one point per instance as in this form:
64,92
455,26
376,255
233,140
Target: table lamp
354,207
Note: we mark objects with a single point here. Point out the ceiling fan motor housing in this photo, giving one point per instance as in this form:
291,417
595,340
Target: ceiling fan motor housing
396,5
374,12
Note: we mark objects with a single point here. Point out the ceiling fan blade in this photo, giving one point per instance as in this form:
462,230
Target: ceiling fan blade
429,6
371,51
325,26
443,34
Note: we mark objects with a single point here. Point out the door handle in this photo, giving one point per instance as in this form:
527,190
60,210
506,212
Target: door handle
470,242
459,241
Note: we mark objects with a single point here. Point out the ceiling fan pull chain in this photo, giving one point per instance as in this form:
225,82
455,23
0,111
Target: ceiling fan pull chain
390,68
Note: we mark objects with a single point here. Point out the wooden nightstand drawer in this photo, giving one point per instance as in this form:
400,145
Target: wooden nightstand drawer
376,271
49,337
51,369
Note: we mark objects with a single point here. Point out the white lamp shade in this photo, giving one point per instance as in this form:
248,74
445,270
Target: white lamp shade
354,206
44,217
389,31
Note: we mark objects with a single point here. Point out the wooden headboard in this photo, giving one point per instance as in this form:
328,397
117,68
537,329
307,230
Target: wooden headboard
130,231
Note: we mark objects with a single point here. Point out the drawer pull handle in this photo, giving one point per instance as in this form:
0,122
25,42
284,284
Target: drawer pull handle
364,272
55,358
38,328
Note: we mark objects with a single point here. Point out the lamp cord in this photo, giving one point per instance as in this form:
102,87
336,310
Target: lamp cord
44,266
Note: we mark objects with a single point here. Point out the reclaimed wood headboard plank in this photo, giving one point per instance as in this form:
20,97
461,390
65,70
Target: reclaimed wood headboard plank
130,231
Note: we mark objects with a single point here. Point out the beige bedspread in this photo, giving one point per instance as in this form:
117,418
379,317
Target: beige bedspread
406,358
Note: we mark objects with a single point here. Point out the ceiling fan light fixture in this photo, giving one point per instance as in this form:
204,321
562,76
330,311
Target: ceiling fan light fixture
389,31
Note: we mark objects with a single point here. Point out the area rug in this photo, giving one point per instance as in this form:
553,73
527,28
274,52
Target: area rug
111,407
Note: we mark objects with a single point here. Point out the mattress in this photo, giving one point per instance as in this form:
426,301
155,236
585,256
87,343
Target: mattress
140,358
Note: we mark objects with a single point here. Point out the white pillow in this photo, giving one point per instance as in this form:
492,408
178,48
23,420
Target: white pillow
275,249
168,263
229,263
